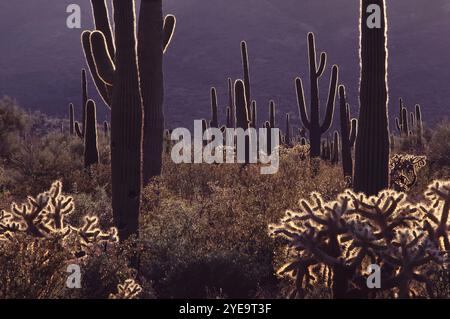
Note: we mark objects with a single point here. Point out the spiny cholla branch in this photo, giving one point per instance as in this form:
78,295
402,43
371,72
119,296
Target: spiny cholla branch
348,234
44,217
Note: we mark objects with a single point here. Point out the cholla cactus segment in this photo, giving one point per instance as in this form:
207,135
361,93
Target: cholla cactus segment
403,170
128,290
44,217
91,233
410,242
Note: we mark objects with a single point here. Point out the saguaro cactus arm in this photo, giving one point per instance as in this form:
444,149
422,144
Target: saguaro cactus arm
169,26
331,98
104,64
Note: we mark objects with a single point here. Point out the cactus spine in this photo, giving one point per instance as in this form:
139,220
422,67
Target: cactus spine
90,137
348,133
313,124
372,143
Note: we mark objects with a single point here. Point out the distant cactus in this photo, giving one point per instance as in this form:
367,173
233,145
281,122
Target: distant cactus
245,65
372,143
228,116
214,121
242,113
254,115
71,119
408,241
231,103
90,137
272,115
419,125
312,124
348,133
335,149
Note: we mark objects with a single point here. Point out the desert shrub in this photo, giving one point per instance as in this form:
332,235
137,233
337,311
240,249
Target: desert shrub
203,219
337,240
438,151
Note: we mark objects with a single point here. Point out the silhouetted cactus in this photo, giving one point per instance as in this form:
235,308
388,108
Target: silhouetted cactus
372,143
214,121
228,117
254,115
312,124
348,133
90,137
272,114
242,114
419,125
71,119
335,149
231,103
245,65
154,36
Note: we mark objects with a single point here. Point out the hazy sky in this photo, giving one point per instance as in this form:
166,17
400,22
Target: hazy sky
40,59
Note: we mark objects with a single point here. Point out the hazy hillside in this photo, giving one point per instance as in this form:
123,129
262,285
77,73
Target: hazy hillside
40,58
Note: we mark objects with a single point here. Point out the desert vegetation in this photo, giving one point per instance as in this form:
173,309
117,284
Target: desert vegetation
108,197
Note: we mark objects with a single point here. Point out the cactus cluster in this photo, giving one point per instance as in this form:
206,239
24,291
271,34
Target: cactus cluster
335,241
410,126
403,171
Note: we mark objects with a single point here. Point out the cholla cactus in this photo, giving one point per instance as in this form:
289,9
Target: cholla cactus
128,290
408,241
403,170
44,217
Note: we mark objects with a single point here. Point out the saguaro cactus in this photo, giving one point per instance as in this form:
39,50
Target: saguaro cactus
348,133
372,143
214,120
288,136
245,65
272,114
254,114
154,36
335,149
313,124
71,119
90,137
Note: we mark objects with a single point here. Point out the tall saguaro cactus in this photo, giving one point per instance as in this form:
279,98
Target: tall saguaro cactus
372,143
154,36
348,133
90,135
245,65
313,123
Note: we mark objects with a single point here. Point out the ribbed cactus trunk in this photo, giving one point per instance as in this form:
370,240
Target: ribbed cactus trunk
372,143
272,114
126,121
231,103
348,133
90,137
84,99
150,52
